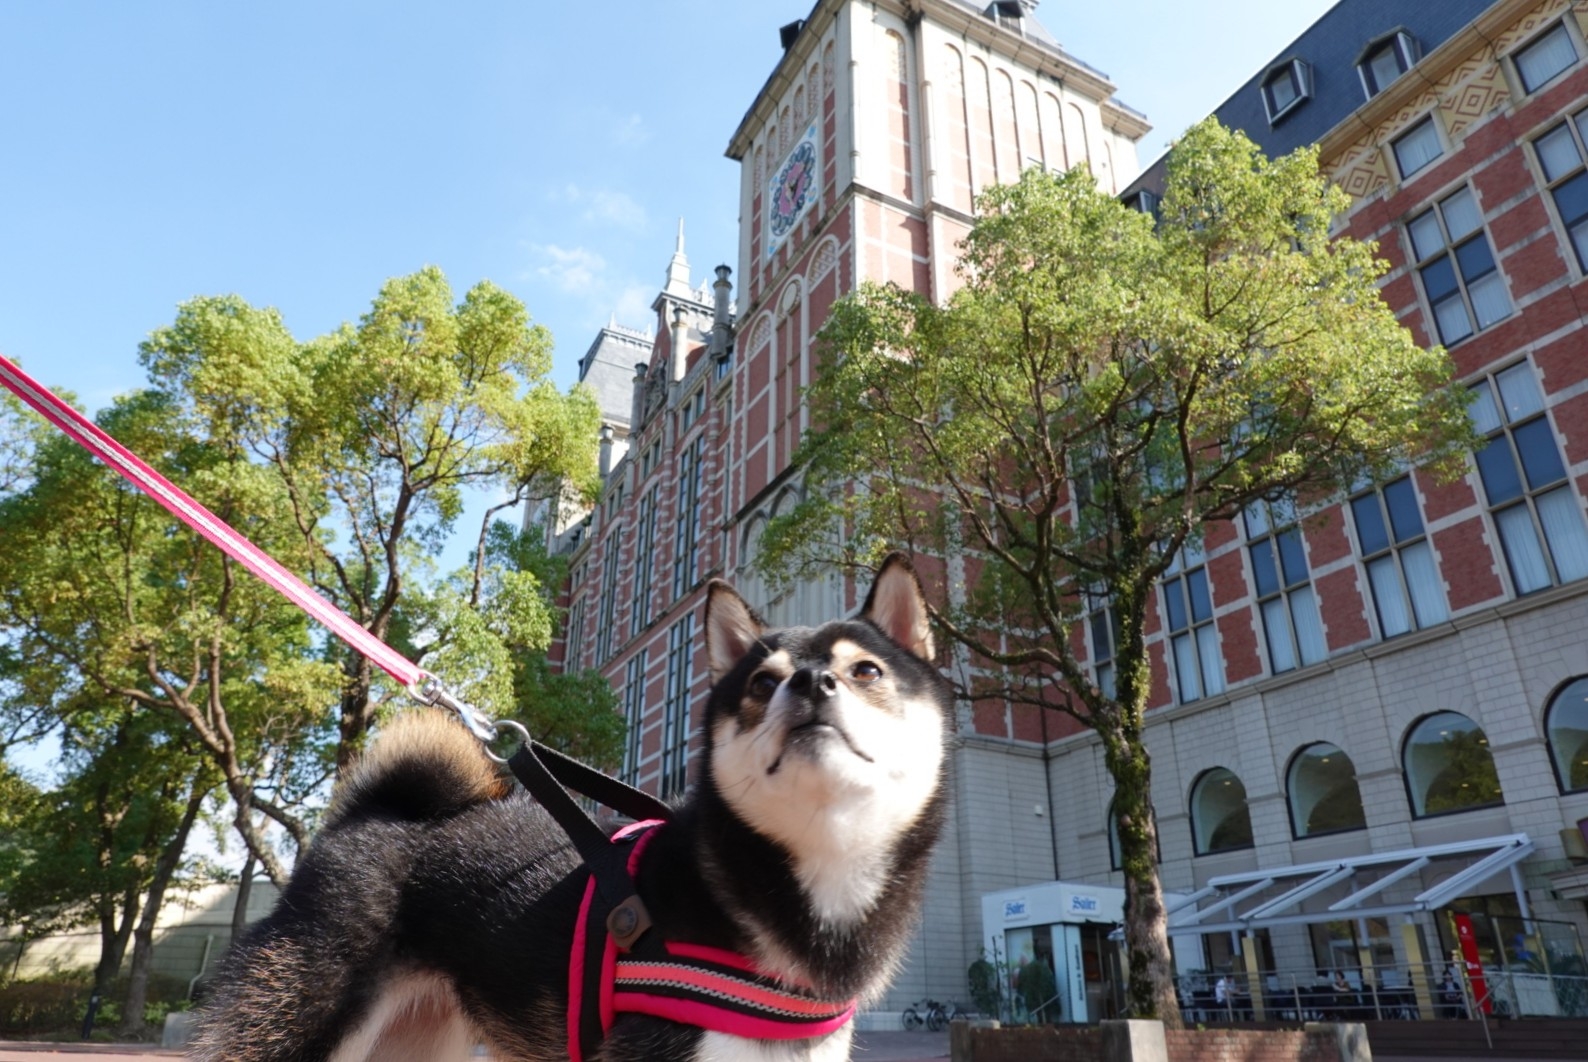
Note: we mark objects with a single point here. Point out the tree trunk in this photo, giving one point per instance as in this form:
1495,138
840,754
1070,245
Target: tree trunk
143,937
245,885
1150,991
113,937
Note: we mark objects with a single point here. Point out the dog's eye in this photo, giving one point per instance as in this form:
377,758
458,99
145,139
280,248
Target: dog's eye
764,685
865,672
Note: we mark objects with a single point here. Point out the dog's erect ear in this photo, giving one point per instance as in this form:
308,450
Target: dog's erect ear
897,605
732,628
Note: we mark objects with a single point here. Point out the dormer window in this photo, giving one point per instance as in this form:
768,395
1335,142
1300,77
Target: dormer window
1286,87
1386,59
1549,55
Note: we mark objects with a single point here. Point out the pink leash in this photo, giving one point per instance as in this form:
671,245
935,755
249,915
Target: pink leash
420,684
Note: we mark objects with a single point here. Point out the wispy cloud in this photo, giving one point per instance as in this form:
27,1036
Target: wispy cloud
630,131
575,270
604,206
592,282
633,306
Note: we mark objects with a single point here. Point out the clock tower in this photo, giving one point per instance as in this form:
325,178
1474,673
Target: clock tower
861,159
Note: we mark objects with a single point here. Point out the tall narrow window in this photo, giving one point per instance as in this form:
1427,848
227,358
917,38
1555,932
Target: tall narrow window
1188,619
1399,561
1457,268
675,726
686,552
573,637
1549,55
1104,628
1560,157
606,612
1417,147
633,715
1284,586
644,563
1536,511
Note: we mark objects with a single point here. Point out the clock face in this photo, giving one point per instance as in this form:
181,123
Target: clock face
792,189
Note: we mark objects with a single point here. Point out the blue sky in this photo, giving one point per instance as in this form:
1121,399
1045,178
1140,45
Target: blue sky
298,154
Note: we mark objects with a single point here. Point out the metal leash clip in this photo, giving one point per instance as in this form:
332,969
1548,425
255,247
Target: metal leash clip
431,692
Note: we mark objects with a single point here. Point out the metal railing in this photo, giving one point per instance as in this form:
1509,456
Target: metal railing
1389,993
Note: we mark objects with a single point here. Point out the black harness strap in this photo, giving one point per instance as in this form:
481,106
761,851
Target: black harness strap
545,771
619,915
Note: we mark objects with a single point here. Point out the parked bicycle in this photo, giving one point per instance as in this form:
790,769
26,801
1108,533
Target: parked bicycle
934,1015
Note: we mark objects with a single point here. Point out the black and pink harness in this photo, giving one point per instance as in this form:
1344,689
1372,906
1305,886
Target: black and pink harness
619,965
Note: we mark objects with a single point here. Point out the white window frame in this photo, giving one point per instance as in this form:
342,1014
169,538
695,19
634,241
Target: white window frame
1538,41
1542,523
686,549
1560,174
1289,609
644,561
1398,604
634,716
1416,128
1449,253
1295,72
1193,645
675,719
1400,44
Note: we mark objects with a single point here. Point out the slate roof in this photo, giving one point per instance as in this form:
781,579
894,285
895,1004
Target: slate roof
608,367
1332,46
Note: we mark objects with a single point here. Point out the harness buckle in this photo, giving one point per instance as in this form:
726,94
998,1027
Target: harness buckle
627,922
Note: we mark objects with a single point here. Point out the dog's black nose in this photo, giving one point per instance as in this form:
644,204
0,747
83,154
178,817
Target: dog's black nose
817,684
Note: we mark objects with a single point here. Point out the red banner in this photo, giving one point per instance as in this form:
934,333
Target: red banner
1469,956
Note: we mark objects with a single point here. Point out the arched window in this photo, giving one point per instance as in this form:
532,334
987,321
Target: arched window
1448,766
1220,819
1324,797
1567,724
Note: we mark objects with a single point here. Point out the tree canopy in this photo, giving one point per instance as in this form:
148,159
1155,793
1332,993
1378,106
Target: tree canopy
347,458
1104,384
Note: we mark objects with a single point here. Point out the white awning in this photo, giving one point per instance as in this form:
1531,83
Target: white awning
1276,896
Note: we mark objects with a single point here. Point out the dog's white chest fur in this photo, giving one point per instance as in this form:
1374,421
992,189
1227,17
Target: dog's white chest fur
720,1047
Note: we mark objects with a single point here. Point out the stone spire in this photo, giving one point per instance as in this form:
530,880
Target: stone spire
678,269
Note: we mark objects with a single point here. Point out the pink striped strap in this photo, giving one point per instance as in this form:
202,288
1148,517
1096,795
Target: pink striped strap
181,505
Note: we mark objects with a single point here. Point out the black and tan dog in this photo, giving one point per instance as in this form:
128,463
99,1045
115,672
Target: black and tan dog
436,910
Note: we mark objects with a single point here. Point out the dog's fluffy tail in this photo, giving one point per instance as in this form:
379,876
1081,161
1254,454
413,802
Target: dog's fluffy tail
422,765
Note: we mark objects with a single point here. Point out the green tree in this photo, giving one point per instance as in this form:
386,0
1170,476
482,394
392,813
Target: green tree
107,601
16,439
1102,386
575,712
101,847
374,433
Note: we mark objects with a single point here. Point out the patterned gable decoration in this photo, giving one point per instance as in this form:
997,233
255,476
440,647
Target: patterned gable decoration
1473,90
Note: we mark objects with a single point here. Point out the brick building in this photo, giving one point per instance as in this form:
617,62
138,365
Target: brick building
1406,668
859,160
